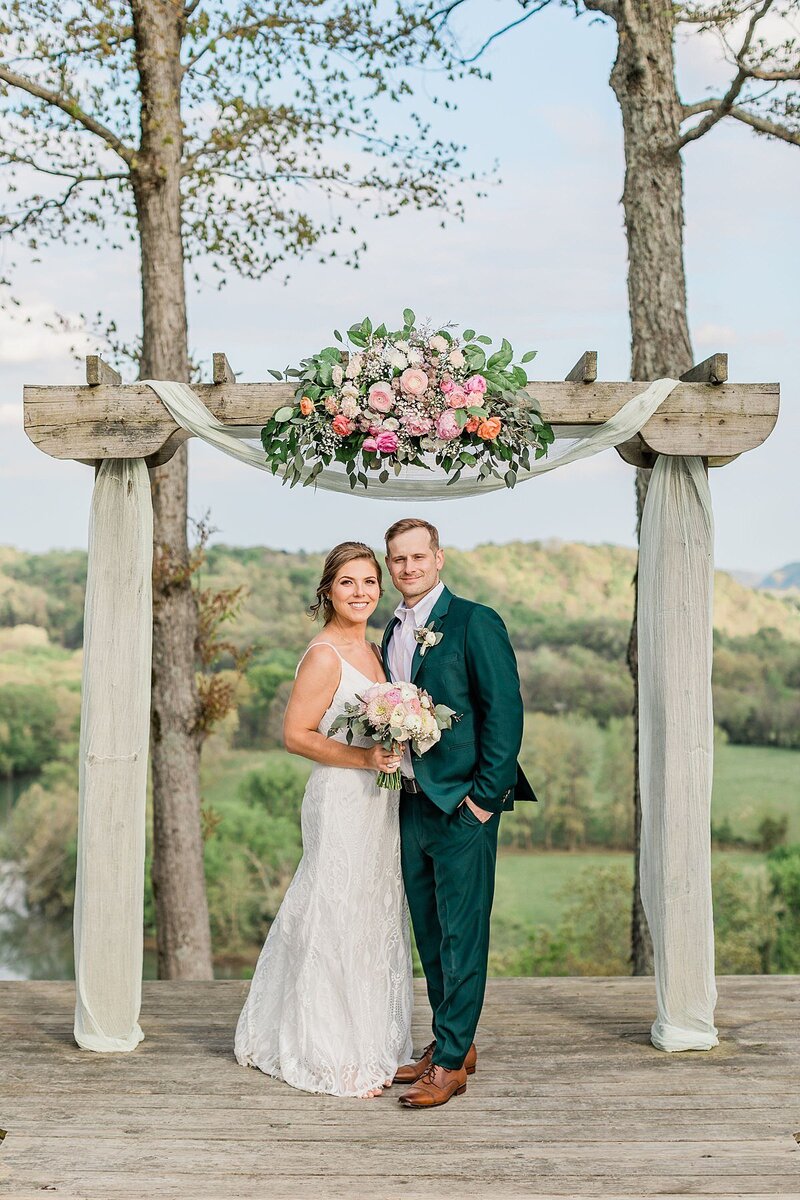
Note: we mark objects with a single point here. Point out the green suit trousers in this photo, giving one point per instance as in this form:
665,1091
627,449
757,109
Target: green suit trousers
448,871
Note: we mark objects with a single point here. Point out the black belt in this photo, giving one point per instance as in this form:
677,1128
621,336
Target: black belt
409,785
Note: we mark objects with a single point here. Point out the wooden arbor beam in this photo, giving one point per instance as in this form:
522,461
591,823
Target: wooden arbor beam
112,420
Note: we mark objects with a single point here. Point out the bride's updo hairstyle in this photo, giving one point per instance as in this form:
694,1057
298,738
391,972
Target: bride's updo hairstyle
337,558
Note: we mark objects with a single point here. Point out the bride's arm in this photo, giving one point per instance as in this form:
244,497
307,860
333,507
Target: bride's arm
311,696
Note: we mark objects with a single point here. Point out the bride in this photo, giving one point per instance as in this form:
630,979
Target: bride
329,1005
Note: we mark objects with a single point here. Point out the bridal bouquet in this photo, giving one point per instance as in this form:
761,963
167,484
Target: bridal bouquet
395,714
403,398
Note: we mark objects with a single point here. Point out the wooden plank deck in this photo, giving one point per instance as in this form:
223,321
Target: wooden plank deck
570,1099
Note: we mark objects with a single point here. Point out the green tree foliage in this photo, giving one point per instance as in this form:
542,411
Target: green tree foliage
28,728
783,865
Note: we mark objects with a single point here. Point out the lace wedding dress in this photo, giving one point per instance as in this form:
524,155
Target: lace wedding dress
329,1006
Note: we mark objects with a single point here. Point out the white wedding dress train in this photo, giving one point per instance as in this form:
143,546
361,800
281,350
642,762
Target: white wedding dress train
329,1005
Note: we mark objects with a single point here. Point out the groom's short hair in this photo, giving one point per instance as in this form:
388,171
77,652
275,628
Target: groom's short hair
406,523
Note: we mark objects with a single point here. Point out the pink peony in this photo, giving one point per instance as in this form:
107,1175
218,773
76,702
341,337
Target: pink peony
475,383
447,386
380,397
458,398
447,426
416,425
393,696
414,381
342,425
387,442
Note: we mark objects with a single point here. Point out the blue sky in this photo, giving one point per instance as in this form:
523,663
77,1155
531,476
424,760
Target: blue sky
541,261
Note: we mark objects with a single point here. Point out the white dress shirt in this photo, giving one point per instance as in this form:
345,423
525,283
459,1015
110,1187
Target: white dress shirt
402,645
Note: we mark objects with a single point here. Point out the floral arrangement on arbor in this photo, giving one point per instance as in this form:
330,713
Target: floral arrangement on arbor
418,396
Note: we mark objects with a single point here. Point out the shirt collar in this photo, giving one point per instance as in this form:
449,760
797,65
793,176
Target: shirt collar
423,608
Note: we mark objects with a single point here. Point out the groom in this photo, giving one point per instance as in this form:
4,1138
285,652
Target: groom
452,796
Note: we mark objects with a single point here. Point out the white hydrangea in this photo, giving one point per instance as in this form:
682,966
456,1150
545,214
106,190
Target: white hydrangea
338,375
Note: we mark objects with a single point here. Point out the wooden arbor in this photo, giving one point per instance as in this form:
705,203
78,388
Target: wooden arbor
705,415
677,428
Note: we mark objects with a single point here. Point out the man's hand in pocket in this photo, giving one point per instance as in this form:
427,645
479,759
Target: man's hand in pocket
481,813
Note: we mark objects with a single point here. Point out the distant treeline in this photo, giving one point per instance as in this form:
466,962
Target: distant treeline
567,608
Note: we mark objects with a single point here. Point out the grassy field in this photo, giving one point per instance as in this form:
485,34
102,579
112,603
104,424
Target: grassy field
533,889
753,781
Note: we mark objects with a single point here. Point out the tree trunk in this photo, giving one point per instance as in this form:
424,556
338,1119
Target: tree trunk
643,79
184,942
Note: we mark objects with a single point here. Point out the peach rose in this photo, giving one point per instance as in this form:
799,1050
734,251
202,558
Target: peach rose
472,424
306,406
457,398
342,425
414,381
489,429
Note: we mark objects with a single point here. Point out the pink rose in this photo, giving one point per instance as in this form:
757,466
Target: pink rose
447,426
370,444
414,381
416,425
387,442
393,696
447,386
475,383
380,397
342,425
458,398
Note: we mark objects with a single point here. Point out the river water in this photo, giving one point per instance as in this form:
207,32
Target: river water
32,947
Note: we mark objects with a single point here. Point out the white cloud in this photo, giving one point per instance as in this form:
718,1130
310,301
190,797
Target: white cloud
25,336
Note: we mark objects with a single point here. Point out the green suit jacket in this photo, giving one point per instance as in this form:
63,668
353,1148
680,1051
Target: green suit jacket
473,670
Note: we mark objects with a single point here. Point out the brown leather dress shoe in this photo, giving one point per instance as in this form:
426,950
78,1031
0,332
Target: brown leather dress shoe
414,1071
435,1087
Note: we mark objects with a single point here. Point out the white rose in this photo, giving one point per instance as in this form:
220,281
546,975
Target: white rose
338,376
350,390
354,367
456,358
414,724
391,423
398,717
438,343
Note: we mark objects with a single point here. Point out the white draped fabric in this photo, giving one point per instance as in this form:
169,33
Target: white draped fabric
676,741
114,737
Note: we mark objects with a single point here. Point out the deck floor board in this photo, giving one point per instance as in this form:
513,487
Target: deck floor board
570,1099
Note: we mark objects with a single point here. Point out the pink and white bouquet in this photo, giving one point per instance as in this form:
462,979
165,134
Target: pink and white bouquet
419,396
395,714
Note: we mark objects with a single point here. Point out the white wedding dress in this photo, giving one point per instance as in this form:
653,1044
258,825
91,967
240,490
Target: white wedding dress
329,1005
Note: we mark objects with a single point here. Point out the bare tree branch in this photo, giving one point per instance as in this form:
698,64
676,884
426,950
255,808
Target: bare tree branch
506,28
72,109
760,124
724,106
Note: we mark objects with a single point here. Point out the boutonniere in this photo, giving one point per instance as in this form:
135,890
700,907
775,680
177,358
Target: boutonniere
426,637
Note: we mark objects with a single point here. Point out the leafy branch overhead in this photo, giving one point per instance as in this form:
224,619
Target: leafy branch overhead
287,123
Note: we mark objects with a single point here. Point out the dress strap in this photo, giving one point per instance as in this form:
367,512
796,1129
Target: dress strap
311,647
